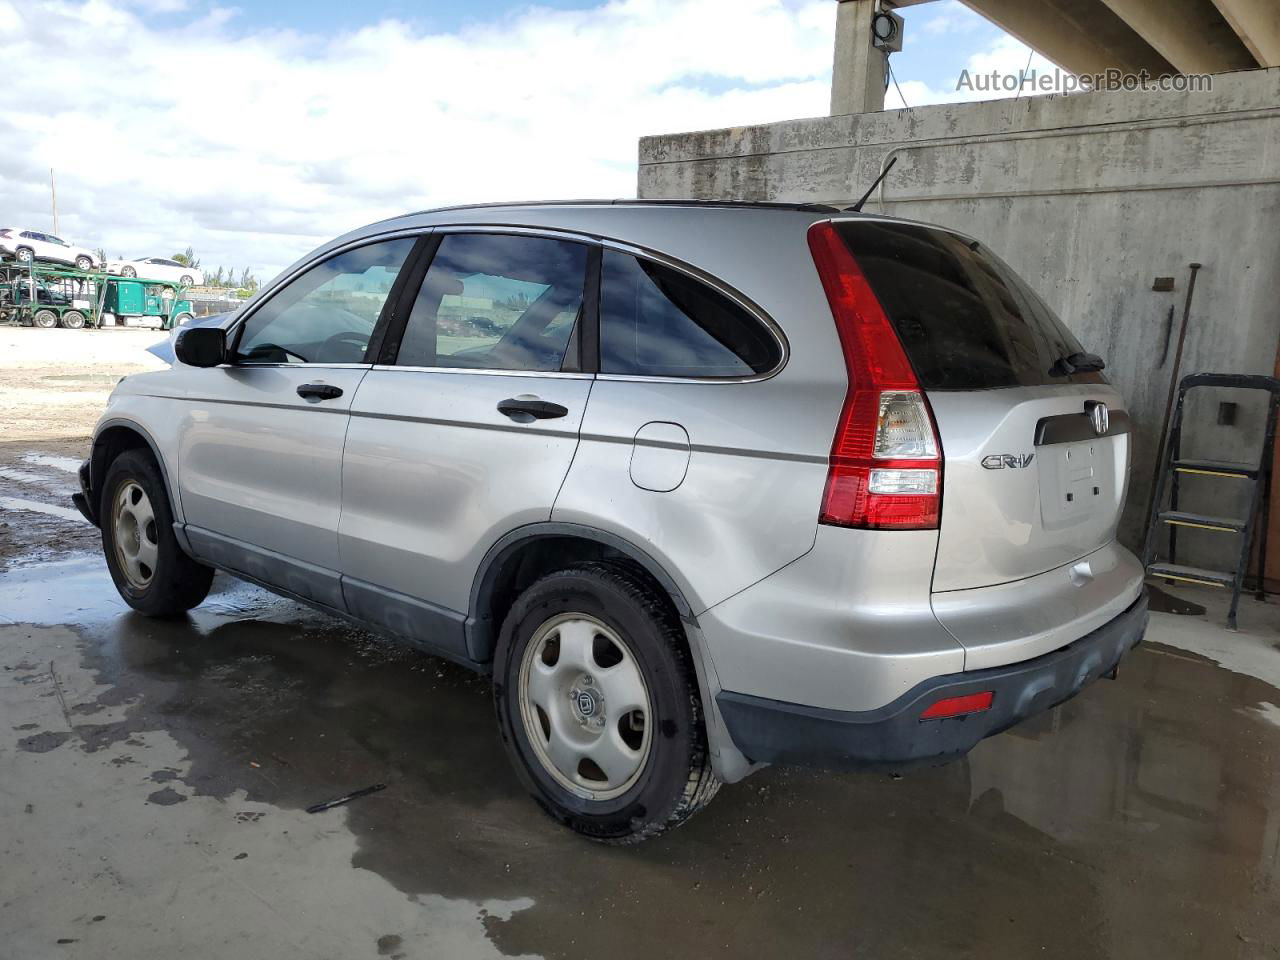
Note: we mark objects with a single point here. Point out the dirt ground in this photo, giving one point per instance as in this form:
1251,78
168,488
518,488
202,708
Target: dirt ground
54,383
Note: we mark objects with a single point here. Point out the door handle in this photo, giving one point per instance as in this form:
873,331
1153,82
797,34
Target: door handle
527,409
319,391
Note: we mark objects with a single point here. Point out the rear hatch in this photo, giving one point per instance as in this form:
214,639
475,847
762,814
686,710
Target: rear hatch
1034,442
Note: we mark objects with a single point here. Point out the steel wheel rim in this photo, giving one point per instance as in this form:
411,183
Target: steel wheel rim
587,713
136,541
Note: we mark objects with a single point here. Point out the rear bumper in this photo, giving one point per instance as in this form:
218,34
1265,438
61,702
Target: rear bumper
84,500
894,736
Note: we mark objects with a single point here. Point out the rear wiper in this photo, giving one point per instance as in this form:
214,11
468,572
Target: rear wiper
1076,363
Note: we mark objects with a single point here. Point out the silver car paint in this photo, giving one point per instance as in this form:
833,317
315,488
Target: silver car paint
260,464
434,474
1009,524
784,608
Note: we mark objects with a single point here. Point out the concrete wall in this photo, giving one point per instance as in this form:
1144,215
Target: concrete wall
1090,197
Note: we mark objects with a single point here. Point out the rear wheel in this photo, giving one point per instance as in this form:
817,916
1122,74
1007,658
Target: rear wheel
73,319
598,704
45,319
26,254
84,263
185,280
150,570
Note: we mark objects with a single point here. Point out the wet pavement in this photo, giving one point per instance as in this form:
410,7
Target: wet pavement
154,777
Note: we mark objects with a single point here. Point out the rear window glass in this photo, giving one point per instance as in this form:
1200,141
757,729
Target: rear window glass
965,319
659,322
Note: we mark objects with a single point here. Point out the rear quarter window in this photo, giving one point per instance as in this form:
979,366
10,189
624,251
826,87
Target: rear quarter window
965,319
659,322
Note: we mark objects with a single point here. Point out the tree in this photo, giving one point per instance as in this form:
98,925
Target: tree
187,258
101,255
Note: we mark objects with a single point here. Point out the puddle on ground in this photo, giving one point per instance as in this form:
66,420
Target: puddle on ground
48,509
65,464
1162,601
56,484
1065,837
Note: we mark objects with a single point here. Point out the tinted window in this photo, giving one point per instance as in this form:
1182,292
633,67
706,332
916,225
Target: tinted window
327,314
496,302
659,322
965,319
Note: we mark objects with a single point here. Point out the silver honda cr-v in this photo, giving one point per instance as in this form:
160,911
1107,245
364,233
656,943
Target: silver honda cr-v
704,486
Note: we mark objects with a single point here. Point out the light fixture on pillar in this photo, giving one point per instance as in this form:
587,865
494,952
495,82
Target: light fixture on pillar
886,31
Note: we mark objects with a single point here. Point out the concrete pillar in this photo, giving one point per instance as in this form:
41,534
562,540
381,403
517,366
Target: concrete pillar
857,76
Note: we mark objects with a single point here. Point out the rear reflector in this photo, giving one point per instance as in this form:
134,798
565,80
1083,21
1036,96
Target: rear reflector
884,471
959,706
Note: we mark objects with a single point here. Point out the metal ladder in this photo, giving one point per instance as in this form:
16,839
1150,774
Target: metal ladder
1176,466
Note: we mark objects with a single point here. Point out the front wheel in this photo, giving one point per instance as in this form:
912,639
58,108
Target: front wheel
148,567
25,255
128,272
83,263
598,704
185,280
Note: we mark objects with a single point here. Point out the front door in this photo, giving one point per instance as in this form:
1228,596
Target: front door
260,462
467,434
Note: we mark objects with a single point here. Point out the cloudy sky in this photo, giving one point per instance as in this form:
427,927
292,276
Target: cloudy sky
256,132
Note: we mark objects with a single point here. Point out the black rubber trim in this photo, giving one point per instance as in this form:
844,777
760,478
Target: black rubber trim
1074,427
894,737
84,500
589,329
384,345
481,629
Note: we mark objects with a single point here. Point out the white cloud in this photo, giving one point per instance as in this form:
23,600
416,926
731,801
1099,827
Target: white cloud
1007,57
253,146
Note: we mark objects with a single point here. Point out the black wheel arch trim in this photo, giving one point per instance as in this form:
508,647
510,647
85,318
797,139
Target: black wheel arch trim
481,630
98,469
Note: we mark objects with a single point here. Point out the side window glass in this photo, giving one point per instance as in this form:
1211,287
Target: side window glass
496,302
327,314
656,321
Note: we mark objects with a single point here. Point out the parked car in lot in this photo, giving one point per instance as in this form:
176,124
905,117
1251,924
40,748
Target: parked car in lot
157,268
28,245
704,486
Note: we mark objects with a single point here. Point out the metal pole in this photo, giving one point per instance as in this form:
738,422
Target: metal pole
53,193
1173,383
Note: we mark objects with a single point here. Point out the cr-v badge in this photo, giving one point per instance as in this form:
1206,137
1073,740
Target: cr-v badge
1007,461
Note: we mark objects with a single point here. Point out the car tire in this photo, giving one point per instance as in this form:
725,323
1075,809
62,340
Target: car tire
25,254
568,657
84,263
73,319
185,280
149,568
45,319
128,272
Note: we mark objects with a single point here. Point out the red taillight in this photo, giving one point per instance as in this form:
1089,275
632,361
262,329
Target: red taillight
876,479
959,706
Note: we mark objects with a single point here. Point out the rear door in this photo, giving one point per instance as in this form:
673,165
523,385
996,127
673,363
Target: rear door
465,430
1035,455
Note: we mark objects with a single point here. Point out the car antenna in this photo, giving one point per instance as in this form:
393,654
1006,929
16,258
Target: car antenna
857,207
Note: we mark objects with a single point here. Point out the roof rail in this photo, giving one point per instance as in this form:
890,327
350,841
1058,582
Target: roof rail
676,202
